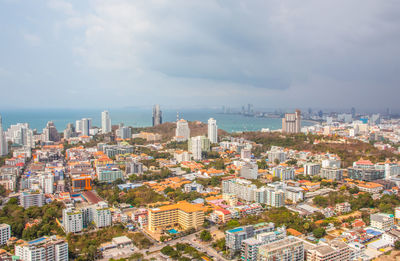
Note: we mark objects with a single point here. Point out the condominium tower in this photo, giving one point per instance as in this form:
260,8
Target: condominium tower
291,123
157,115
105,122
212,130
3,141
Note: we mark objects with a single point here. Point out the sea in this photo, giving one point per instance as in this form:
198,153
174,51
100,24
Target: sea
37,118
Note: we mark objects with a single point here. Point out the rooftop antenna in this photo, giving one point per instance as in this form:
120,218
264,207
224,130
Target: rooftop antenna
177,116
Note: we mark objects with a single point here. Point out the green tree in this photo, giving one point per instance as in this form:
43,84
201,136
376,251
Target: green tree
319,232
205,235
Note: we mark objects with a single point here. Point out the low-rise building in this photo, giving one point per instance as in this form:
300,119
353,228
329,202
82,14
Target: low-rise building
31,199
5,233
382,221
289,248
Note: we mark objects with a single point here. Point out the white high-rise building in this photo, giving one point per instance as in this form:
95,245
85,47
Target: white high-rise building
212,130
105,122
5,233
195,147
47,183
182,132
21,134
3,141
78,125
72,220
86,124
157,115
43,249
102,215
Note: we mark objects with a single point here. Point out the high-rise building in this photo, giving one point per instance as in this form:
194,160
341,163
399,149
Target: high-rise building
212,130
86,125
30,199
50,132
105,122
249,171
287,249
182,132
124,132
78,125
5,233
69,132
21,134
291,123
185,214
157,115
43,249
72,220
3,141
195,147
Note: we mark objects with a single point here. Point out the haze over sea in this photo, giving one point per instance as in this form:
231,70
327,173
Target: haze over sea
37,118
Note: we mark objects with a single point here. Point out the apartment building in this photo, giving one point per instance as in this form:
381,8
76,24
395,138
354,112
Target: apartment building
235,237
43,249
382,221
312,169
336,250
331,173
287,249
184,214
31,198
5,233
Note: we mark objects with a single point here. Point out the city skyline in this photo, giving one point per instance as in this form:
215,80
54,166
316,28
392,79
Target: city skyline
119,53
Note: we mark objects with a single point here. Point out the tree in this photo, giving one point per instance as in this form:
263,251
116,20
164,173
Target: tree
276,161
319,232
205,235
167,250
397,245
274,179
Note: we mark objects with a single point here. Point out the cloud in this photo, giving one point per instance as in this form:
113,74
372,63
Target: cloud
32,39
62,6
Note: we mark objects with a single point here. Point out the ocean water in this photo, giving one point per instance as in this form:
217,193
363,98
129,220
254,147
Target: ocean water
38,118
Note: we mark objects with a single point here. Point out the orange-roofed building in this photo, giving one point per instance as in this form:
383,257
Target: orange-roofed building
293,232
82,182
185,214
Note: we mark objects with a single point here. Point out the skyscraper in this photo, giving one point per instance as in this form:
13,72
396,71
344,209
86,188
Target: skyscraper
212,130
105,122
50,132
182,132
3,141
157,115
86,126
291,123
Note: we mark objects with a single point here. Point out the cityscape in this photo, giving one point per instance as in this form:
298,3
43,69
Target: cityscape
211,130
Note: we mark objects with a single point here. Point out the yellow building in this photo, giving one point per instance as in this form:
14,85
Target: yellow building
182,214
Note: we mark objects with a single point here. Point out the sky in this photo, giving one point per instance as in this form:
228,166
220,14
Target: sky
189,53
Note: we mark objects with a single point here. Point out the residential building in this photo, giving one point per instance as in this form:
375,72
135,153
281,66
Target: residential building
332,162
114,150
31,198
182,132
86,124
5,233
235,237
336,250
276,154
195,147
250,246
184,214
43,249
182,155
283,172
194,186
72,220
312,169
287,249
344,207
133,167
370,187
3,140
291,123
50,132
212,130
124,132
109,174
331,173
249,171
365,174
391,236
105,122
382,221
157,115
245,154
101,215
294,194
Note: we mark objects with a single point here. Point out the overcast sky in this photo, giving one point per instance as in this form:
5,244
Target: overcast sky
198,53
